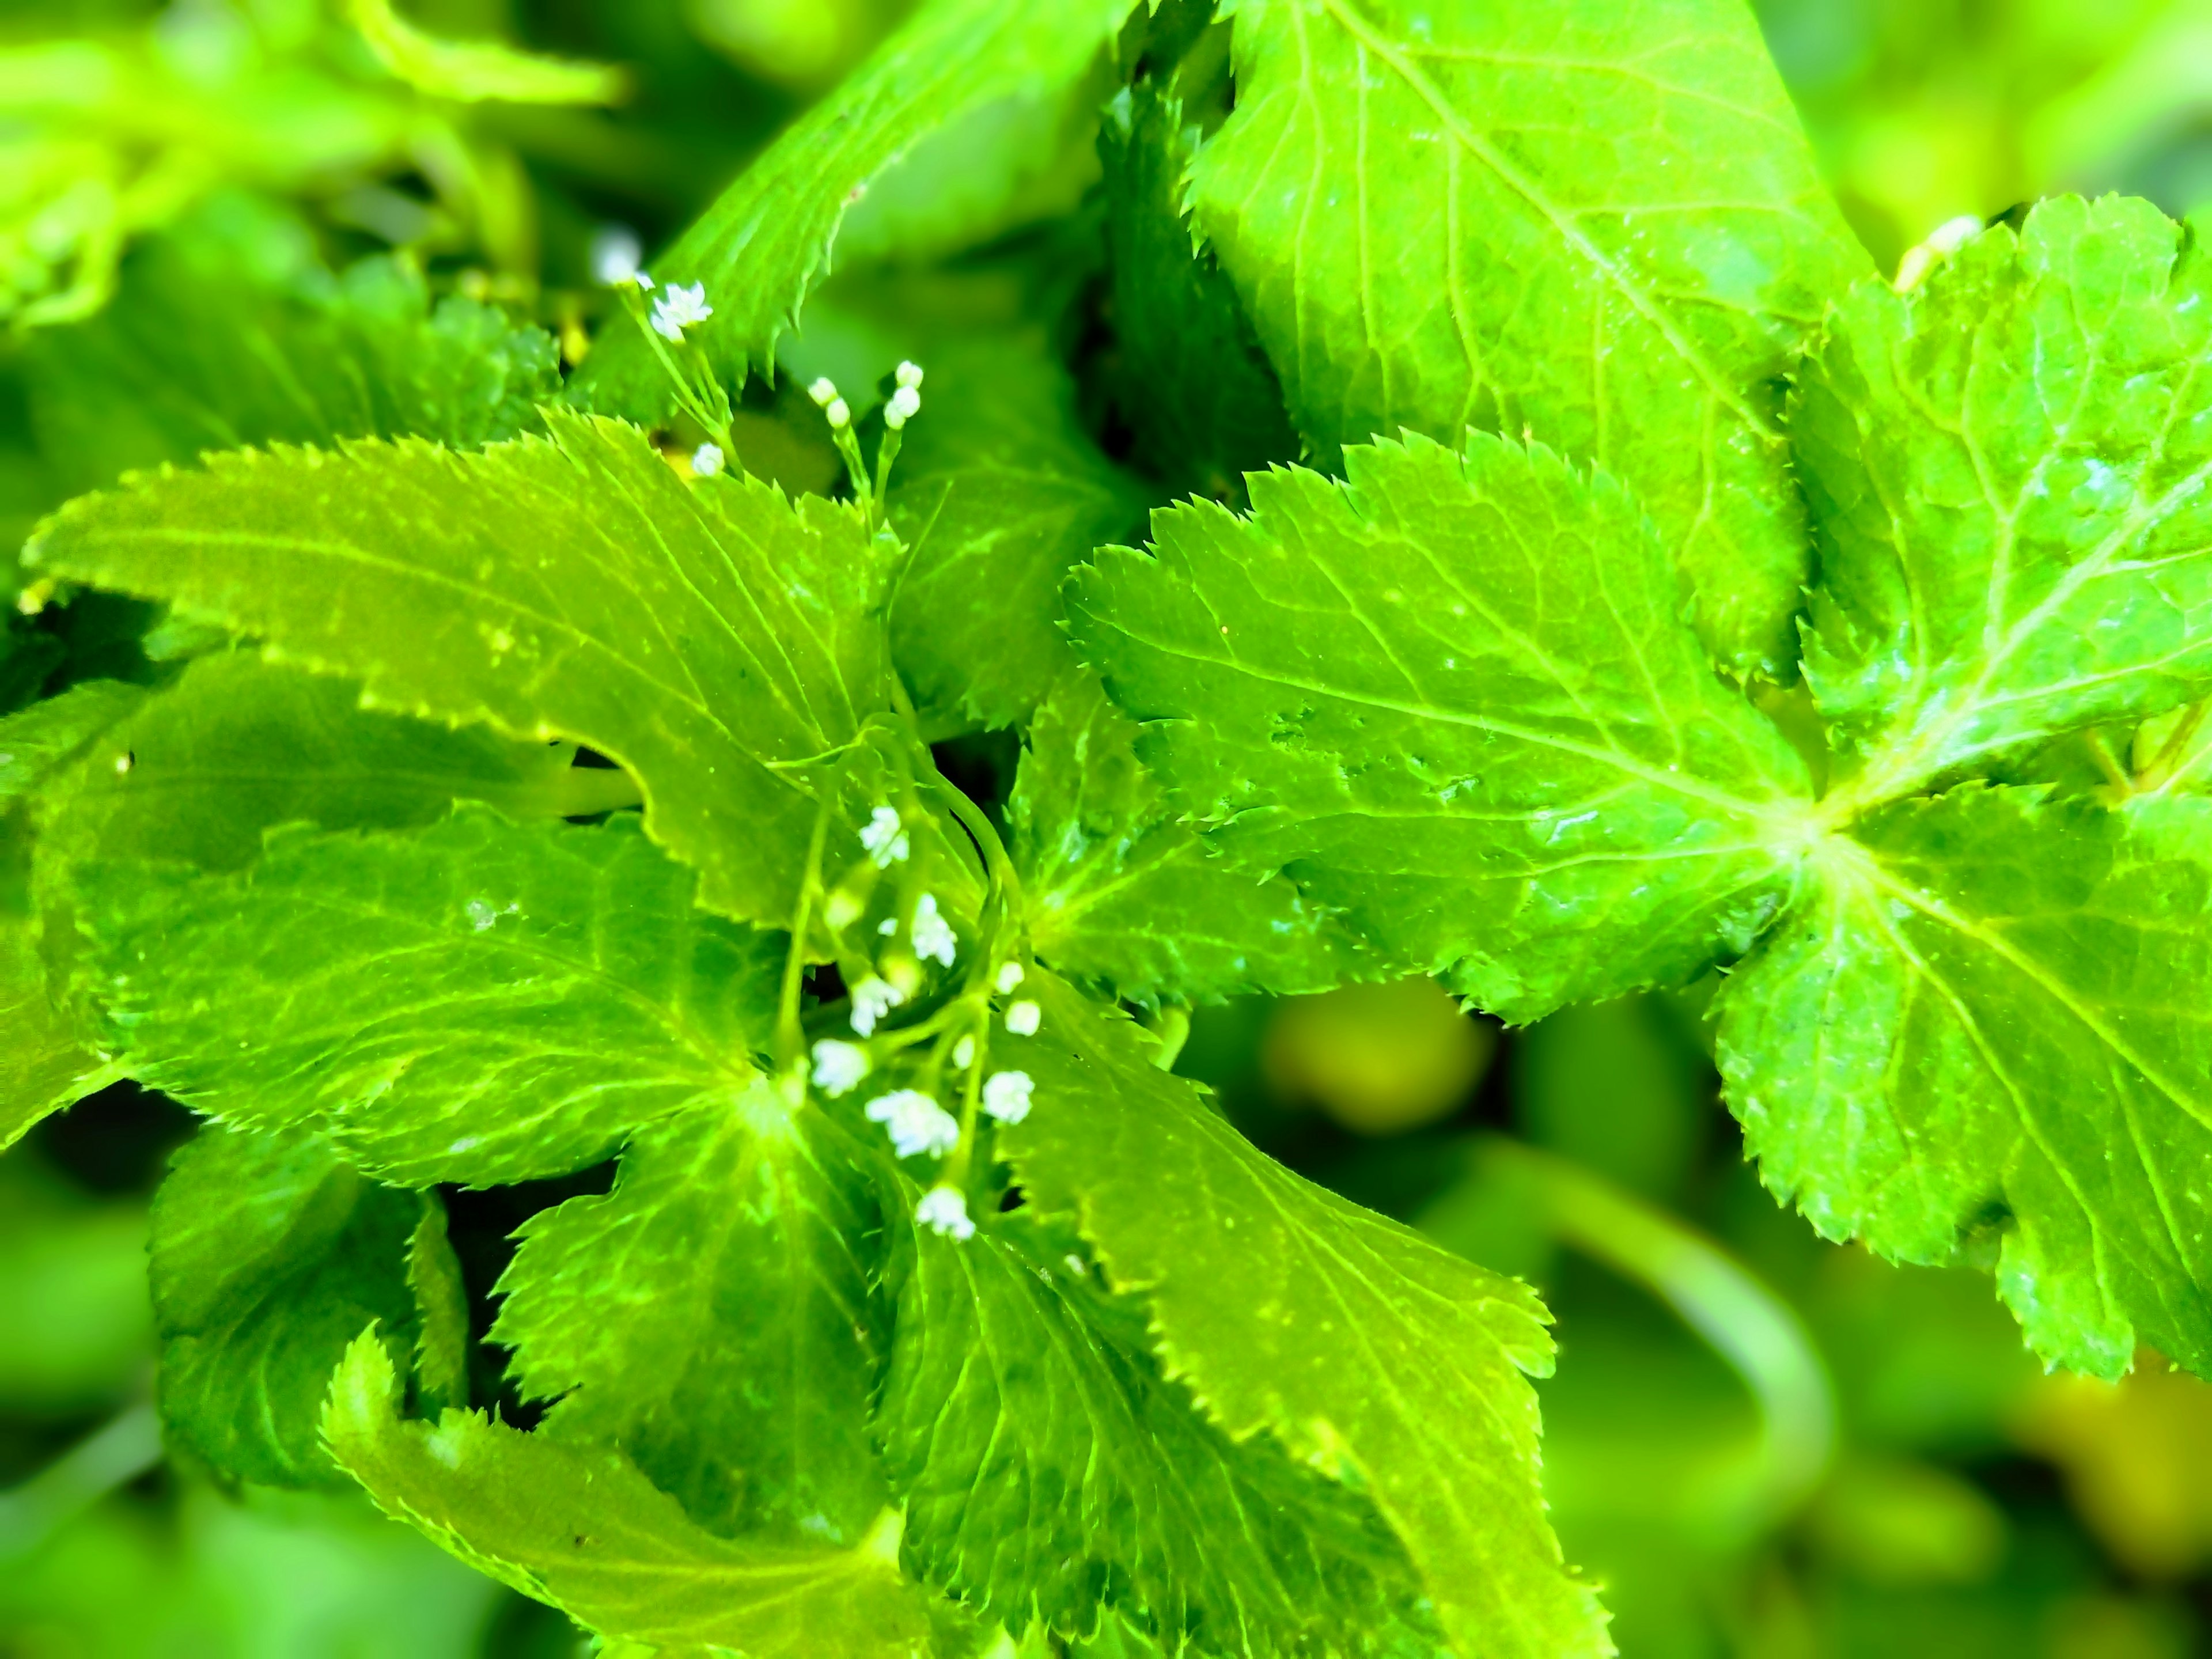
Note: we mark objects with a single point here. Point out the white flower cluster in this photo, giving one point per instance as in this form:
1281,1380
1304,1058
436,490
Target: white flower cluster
886,842
839,1066
707,460
906,402
933,939
824,393
915,1123
615,253
679,308
1023,1018
945,1210
873,999
1007,1095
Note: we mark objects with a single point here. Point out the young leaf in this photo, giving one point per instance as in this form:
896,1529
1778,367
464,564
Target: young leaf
441,1310
44,1063
482,1002
269,1255
1051,1475
731,1246
239,744
1592,222
999,490
712,636
202,350
1456,698
582,1529
1367,1352
2008,469
45,737
961,96
1191,380
1118,892
1987,1010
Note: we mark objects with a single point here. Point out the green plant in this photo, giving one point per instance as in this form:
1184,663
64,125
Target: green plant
1659,590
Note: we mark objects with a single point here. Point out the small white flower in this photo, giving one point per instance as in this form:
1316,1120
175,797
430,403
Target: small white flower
1009,977
679,309
1006,1095
905,404
824,392
886,842
873,999
839,1066
933,939
840,414
943,1210
915,1123
707,460
615,253
908,376
963,1053
1023,1018
888,926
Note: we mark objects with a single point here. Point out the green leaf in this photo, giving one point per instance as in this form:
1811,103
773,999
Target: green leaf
1595,223
482,1002
269,1255
442,1309
1200,398
1051,1473
473,71
1985,1013
40,739
583,1530
1118,892
1455,698
1367,1352
44,1063
207,347
956,129
2008,469
239,744
999,491
711,637
733,1245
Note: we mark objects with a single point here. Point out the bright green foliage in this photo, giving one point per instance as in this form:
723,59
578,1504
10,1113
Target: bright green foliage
43,737
734,1233
1000,490
1191,381
1118,893
238,745
441,1311
516,1506
1988,1010
1049,1471
2007,467
957,128
269,1254
480,1002
207,348
44,1064
713,638
1589,223
1255,1278
469,72
1453,696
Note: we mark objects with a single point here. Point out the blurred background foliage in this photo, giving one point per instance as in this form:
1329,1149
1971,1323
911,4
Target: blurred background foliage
1763,1444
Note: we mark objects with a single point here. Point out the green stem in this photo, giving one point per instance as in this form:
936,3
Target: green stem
790,1034
1746,1323
112,1456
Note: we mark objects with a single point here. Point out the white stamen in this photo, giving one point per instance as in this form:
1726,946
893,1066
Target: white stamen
908,376
824,392
1006,1095
1023,1018
707,460
679,309
1009,977
934,938
943,1210
873,999
905,404
915,1123
839,1066
840,414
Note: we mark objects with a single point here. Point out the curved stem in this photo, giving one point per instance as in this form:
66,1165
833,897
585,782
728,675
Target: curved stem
1750,1327
112,1456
